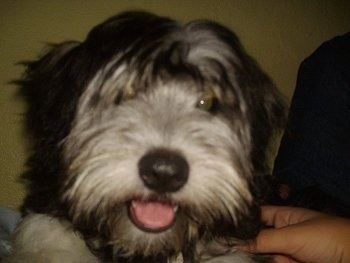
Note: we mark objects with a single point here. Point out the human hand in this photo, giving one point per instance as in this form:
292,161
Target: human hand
302,235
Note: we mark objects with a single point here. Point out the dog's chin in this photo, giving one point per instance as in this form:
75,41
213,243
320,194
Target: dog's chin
144,227
152,216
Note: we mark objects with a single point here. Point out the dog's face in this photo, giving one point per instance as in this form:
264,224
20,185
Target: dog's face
163,132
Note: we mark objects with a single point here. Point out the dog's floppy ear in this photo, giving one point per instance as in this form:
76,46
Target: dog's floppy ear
43,84
51,87
268,117
266,106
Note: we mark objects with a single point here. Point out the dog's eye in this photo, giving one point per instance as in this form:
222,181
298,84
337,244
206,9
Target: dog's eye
208,101
127,94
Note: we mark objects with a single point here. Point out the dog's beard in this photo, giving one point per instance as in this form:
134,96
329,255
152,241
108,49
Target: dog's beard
104,188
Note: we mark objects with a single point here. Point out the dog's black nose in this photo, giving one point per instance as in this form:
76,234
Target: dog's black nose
163,170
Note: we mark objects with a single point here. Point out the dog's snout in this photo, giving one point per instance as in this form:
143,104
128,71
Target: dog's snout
163,170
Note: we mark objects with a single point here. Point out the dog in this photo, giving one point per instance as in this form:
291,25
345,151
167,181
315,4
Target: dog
150,144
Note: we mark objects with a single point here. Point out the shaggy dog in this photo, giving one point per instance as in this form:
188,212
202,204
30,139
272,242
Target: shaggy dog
150,145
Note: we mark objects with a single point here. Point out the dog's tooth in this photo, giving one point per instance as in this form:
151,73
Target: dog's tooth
175,208
133,205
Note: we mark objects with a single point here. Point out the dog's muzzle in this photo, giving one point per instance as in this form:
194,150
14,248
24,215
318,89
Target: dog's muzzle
162,171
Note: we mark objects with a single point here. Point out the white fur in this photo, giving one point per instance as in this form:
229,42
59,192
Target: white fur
41,238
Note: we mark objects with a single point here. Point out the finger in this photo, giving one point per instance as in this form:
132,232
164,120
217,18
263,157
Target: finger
283,259
264,242
272,241
281,216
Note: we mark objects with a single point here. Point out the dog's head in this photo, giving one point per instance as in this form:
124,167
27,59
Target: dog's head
150,134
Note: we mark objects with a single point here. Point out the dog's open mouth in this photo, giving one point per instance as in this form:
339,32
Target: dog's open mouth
152,216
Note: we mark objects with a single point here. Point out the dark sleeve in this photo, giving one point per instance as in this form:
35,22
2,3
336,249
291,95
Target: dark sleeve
315,149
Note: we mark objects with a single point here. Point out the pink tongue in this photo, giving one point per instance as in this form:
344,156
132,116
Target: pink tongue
153,215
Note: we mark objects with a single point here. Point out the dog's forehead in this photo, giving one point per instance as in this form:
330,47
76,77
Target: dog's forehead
108,84
200,51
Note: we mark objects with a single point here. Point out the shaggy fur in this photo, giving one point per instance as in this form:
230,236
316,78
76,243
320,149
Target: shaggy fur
146,113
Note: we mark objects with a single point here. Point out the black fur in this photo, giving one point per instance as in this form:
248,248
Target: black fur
54,83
